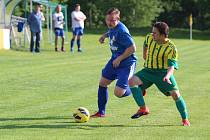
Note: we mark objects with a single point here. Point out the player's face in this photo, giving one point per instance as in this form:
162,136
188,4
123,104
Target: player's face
156,34
59,9
77,8
38,8
111,20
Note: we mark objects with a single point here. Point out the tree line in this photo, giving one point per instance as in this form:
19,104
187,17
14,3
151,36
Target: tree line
142,13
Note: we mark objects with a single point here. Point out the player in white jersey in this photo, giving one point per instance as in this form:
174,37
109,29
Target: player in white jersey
58,22
78,18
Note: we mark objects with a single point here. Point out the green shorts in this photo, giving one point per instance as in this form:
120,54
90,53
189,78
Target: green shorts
149,77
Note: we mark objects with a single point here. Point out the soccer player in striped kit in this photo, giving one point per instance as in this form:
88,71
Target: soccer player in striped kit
160,55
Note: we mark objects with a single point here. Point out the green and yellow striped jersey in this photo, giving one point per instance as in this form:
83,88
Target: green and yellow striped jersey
160,56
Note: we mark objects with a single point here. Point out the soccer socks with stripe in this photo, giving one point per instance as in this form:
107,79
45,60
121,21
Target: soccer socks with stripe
137,95
127,92
181,106
102,99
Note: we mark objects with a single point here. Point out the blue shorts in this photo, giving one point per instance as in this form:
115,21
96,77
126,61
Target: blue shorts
78,31
59,32
122,74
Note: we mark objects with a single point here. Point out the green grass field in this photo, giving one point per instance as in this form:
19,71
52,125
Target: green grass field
40,92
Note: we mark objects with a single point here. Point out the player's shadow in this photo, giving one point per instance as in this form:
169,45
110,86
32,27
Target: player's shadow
64,123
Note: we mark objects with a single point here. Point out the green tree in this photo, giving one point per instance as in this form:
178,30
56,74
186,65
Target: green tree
176,13
134,13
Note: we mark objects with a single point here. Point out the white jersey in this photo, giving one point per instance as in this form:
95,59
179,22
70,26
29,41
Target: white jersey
58,19
76,23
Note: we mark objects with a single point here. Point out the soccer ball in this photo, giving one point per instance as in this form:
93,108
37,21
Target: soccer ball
81,115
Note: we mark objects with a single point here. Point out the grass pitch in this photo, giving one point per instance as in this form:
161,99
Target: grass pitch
39,93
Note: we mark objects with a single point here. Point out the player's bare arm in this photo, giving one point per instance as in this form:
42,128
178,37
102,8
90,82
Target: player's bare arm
103,37
145,51
126,54
170,71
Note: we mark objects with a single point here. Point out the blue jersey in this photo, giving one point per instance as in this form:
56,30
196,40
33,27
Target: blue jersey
120,39
35,22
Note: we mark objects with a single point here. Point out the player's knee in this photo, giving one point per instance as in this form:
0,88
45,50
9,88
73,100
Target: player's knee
175,94
131,83
134,81
104,82
118,94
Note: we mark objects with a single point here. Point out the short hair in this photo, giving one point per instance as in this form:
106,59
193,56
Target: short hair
76,5
38,4
113,10
59,5
162,28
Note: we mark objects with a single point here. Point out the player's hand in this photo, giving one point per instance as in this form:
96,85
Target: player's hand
167,79
116,62
102,39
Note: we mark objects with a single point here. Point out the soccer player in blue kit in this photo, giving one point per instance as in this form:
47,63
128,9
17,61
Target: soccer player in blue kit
122,64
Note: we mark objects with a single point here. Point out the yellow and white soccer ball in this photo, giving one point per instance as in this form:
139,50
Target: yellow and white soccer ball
81,115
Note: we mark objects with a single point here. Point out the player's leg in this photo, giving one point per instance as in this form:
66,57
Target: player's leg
172,90
56,39
79,43
123,75
33,37
37,48
135,84
181,106
102,97
73,39
138,83
63,38
106,78
79,37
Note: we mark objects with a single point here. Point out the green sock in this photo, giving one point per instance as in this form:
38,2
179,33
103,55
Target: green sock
181,106
137,95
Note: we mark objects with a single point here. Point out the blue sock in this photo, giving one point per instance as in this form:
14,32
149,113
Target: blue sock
78,43
127,92
102,99
72,43
181,106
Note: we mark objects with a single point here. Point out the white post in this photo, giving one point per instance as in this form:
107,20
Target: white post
31,6
191,32
48,22
51,28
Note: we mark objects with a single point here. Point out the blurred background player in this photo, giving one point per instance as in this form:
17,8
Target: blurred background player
35,24
160,55
78,18
58,22
122,64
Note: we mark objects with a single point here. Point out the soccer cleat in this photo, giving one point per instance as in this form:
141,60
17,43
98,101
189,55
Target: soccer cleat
72,50
63,49
57,50
185,122
140,112
79,50
97,115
